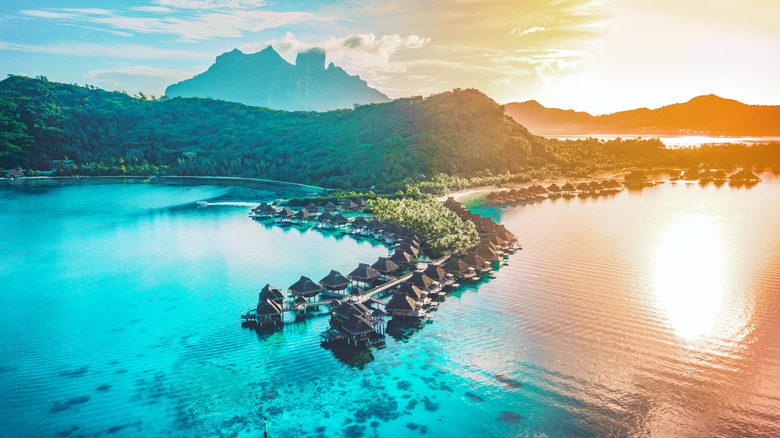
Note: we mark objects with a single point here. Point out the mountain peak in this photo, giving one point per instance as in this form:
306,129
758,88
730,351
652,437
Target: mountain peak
311,60
266,79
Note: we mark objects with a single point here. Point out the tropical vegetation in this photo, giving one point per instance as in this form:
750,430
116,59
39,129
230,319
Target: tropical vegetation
443,229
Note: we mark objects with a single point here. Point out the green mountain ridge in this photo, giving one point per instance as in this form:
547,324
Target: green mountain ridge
452,132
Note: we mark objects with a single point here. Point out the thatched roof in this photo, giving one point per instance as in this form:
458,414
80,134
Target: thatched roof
361,202
401,258
334,281
286,213
299,300
553,188
744,175
268,307
349,205
311,208
364,273
455,266
340,219
568,188
359,222
435,272
474,260
271,293
357,325
421,280
411,249
324,217
330,206
583,187
410,289
357,291
302,214
376,224
494,239
400,302
265,208
385,266
305,287
487,253
345,309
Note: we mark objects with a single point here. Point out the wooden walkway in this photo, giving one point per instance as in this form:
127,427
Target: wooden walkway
368,296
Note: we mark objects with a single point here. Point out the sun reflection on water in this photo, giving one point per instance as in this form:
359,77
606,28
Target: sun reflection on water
690,275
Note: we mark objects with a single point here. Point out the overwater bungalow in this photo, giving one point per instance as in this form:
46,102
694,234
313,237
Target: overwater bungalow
422,281
285,215
268,312
312,208
334,281
385,266
583,188
301,216
364,273
305,288
568,189
554,190
300,305
349,204
361,203
401,258
376,226
487,252
264,210
720,176
744,176
272,293
402,305
354,323
330,207
457,267
435,273
339,220
357,225
477,262
691,174
595,187
409,248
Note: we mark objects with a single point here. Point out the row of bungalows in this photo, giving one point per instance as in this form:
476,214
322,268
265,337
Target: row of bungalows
536,192
355,323
412,298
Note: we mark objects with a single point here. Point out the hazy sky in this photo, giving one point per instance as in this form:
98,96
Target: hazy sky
593,55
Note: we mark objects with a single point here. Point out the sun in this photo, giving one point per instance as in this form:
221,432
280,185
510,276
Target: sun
690,275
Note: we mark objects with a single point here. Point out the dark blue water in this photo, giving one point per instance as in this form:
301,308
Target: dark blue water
643,313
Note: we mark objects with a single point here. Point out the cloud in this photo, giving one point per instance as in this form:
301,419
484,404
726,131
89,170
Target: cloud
141,70
151,9
518,32
127,51
212,4
190,26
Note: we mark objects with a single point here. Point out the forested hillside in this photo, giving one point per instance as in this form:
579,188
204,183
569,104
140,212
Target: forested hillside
461,131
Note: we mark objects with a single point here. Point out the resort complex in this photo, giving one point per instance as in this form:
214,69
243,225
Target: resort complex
405,284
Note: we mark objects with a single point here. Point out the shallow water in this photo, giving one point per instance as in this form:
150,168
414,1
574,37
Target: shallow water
649,312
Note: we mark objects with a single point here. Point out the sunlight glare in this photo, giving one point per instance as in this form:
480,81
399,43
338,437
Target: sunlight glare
690,277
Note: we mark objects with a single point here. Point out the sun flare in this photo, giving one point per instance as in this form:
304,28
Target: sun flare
690,276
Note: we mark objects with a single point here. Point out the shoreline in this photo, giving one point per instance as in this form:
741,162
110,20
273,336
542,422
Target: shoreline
152,178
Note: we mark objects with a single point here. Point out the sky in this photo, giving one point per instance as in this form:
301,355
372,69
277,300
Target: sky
599,56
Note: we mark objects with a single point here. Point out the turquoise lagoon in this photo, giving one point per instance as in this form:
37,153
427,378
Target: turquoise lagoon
650,312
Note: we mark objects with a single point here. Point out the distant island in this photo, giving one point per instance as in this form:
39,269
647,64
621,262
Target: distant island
266,79
708,114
